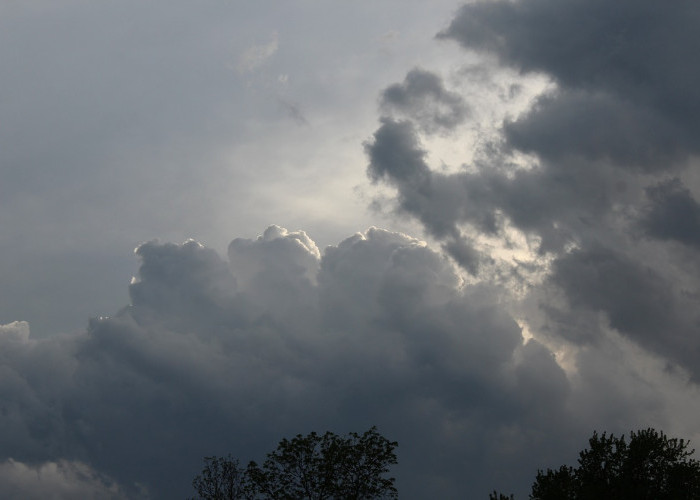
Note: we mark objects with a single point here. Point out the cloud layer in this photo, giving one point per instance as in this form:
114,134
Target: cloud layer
216,356
58,480
560,296
609,199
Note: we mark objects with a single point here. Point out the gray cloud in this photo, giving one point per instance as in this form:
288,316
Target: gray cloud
629,63
482,378
423,98
638,301
294,112
396,156
256,55
60,480
548,201
621,115
229,355
126,122
566,124
673,213
215,356
635,298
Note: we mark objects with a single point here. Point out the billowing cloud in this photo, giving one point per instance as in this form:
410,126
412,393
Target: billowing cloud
596,175
558,293
622,69
397,157
229,355
423,97
127,121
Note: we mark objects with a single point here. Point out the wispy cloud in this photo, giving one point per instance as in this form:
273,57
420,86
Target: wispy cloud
255,56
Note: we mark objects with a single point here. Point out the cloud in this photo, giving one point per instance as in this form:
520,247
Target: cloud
113,115
636,299
542,200
575,220
293,111
56,480
208,359
673,213
623,68
229,355
256,55
396,154
594,126
423,97
17,330
595,175
397,157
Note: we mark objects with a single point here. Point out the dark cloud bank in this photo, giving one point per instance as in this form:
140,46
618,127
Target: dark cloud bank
612,197
215,356
219,355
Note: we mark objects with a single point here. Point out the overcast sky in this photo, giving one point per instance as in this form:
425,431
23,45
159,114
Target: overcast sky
475,226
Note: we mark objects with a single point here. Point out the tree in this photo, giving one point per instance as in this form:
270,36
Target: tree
221,479
650,467
313,467
500,496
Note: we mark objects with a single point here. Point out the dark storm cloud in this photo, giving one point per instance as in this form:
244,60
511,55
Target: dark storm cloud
423,97
464,253
543,200
566,124
635,298
621,114
396,156
673,213
562,204
215,357
624,67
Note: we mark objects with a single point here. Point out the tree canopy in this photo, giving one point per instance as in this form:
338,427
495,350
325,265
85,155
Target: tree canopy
313,467
651,466
221,479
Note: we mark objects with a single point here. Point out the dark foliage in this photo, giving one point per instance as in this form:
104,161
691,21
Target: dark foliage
650,466
500,496
313,467
221,479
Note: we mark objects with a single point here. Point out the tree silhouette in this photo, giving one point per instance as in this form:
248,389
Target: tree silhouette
313,467
650,467
221,479
500,496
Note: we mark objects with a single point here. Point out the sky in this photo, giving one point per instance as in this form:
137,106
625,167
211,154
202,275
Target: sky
473,225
